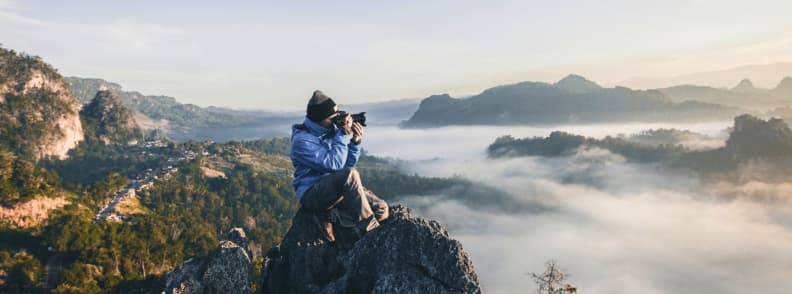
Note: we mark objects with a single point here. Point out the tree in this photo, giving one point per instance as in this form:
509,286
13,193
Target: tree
552,280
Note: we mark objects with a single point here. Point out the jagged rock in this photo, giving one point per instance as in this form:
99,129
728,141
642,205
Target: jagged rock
404,255
225,270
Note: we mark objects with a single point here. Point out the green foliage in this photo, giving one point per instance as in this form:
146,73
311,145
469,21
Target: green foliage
28,119
558,143
80,278
188,215
275,146
88,163
20,66
562,143
22,272
22,180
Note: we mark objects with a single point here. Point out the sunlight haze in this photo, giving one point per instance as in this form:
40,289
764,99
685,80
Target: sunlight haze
252,55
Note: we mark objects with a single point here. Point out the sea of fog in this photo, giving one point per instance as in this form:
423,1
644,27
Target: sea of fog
469,142
615,227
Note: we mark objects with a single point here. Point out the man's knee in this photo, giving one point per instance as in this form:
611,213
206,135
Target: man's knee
350,174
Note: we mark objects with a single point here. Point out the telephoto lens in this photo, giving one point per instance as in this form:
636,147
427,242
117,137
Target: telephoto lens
360,118
357,117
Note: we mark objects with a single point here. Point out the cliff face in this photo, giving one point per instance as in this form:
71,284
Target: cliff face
38,115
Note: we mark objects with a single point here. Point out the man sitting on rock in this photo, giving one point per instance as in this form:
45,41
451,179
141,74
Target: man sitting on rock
328,186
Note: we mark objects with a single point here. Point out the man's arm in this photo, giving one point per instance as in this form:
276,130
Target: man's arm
353,154
314,154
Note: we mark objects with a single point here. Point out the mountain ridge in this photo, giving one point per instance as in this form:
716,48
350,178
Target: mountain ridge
573,99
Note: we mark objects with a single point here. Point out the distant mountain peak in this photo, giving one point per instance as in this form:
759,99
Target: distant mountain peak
744,85
785,84
576,84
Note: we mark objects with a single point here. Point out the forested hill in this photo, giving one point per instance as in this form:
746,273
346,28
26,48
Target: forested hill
571,100
107,121
763,146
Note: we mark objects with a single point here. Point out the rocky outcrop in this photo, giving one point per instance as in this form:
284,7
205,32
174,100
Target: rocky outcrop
108,121
405,254
225,270
38,116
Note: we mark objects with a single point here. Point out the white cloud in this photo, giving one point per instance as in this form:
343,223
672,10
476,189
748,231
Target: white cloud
616,227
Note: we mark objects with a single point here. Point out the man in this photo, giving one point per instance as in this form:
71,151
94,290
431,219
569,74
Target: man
328,186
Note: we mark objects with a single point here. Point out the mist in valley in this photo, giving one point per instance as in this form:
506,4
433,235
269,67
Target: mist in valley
615,226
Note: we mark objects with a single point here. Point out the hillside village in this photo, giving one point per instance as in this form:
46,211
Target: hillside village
144,180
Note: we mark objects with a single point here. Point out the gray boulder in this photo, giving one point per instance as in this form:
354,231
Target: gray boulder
405,254
225,270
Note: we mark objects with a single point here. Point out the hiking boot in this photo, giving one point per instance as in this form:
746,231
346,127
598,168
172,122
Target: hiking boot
366,226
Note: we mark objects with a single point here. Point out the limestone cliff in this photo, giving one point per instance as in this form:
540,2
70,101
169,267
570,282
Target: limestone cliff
38,115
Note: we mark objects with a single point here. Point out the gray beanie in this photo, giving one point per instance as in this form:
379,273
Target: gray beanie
320,106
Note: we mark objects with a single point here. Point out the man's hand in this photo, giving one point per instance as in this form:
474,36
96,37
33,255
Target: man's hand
357,133
346,127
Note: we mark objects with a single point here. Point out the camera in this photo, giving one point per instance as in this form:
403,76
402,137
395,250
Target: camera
357,117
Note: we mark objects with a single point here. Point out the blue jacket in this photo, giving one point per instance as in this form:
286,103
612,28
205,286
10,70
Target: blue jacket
317,151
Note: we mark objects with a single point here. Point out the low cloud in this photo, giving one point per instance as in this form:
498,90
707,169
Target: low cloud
616,227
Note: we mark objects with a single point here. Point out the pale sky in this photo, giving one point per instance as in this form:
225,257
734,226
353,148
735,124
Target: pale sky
272,55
